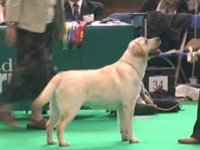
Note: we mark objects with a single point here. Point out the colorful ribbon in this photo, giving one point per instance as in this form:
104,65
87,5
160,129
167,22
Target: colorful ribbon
74,35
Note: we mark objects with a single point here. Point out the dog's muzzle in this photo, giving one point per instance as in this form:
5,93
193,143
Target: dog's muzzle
155,52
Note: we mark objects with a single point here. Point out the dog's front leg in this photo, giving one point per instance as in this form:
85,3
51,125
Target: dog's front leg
125,115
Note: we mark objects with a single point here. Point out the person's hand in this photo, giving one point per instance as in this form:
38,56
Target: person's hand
11,35
192,56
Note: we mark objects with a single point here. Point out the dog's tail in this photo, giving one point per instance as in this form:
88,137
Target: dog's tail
47,93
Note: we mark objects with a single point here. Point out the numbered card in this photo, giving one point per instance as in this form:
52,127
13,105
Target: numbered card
158,83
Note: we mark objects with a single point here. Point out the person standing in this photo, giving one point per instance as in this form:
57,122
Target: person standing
195,136
31,27
86,10
150,5
2,12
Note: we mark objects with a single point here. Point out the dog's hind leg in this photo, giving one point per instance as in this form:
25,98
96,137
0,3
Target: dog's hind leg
125,115
66,117
54,116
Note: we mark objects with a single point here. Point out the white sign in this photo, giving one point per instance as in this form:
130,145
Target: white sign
88,18
158,83
6,69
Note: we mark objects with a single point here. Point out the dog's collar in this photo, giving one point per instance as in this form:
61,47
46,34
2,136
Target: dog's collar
132,66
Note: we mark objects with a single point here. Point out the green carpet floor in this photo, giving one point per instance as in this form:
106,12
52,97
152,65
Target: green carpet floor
97,130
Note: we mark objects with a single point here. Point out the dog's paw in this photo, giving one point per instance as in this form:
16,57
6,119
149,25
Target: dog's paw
64,144
51,142
133,140
124,139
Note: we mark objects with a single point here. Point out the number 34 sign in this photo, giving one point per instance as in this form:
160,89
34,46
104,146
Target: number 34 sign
158,83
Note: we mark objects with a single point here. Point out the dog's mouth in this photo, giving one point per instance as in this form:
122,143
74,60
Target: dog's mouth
155,42
155,52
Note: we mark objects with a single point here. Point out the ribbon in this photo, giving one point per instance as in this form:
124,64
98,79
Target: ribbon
74,35
66,39
81,33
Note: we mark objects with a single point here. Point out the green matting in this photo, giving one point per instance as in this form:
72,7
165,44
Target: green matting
97,130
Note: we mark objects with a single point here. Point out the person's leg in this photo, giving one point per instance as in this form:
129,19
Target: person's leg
195,136
196,129
6,115
14,91
45,72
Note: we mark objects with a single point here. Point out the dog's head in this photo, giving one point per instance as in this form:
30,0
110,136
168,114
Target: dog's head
144,47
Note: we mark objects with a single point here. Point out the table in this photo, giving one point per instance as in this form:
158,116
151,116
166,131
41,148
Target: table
103,45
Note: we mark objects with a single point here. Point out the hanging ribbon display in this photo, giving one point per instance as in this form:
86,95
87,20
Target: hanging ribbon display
74,36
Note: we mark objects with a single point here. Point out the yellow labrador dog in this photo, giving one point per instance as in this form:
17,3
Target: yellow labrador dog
113,87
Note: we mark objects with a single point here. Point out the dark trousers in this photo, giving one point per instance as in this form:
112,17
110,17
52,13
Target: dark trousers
196,129
33,66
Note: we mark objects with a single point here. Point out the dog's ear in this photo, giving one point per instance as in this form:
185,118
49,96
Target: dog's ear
137,50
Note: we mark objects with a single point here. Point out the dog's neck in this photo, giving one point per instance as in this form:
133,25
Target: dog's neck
132,66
